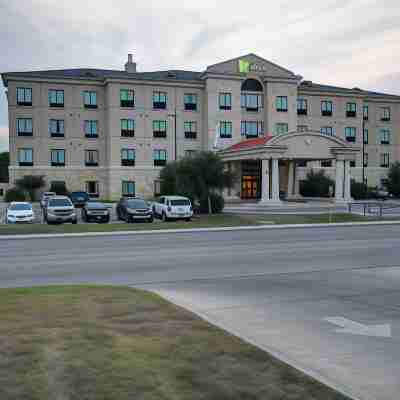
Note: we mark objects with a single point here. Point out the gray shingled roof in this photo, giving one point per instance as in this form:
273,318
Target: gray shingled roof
102,74
317,87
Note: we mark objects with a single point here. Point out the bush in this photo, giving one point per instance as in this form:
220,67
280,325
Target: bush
59,188
316,185
393,181
217,204
14,194
31,183
359,190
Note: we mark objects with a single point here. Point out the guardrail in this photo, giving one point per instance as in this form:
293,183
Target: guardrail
368,205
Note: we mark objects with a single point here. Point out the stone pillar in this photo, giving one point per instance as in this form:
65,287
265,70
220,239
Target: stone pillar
291,179
265,189
339,181
347,181
275,181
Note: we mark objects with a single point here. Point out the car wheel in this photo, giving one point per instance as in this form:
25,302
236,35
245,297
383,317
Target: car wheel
151,220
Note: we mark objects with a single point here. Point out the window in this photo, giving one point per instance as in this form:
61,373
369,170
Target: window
385,116
351,110
225,101
281,103
25,157
128,157
225,129
56,98
128,188
326,108
251,128
302,128
327,130
91,128
350,134
91,158
365,136
157,187
127,98
385,136
89,99
159,100
190,102
385,160
58,158
92,188
365,113
190,128
160,158
160,129
326,163
352,163
301,107
24,127
251,102
281,128
56,128
127,128
24,96
365,159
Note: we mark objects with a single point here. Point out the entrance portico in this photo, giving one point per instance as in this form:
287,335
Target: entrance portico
276,159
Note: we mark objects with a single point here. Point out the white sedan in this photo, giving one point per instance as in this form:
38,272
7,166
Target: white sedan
19,212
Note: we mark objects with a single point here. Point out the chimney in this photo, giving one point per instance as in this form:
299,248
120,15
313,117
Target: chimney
130,66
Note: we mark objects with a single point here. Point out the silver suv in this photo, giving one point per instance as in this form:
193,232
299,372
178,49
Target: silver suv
60,209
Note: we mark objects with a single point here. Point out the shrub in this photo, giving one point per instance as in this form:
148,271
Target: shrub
359,190
316,185
59,188
393,181
217,204
31,183
14,194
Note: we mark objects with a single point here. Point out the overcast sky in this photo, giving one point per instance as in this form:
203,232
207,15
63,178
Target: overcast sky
340,42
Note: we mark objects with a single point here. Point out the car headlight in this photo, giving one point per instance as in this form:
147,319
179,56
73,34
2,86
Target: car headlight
10,216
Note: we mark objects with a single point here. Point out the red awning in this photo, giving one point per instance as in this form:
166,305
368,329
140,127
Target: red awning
250,143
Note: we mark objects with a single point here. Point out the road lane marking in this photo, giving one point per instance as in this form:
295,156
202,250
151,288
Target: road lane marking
356,328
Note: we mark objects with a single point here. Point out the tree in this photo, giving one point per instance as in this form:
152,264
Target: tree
200,177
31,183
4,164
393,181
316,185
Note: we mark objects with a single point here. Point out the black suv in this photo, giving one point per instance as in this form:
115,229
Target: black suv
95,211
132,209
79,199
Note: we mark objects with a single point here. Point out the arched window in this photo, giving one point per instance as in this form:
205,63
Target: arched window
251,85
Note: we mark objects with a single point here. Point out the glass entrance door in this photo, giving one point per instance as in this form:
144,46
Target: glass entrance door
249,187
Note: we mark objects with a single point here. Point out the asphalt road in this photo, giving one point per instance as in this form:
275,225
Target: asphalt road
278,288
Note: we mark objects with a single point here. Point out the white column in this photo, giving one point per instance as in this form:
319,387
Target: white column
265,181
347,181
291,179
339,181
275,180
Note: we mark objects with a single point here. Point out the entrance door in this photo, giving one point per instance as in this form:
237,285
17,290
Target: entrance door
251,179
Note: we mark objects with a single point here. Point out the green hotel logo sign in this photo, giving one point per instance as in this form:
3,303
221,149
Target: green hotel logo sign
246,66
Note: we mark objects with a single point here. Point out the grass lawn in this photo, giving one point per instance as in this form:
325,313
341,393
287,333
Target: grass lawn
203,221
108,343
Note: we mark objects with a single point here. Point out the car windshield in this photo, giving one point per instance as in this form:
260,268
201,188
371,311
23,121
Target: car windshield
95,204
59,203
48,194
21,207
181,202
136,204
79,194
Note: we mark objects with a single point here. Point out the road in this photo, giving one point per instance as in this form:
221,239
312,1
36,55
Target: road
286,290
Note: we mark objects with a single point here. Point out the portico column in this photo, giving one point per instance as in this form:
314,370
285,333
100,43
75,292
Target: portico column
275,180
339,181
291,179
265,180
347,181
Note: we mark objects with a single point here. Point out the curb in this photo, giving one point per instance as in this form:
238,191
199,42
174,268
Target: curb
195,230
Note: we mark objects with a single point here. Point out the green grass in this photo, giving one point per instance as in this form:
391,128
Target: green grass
203,221
110,343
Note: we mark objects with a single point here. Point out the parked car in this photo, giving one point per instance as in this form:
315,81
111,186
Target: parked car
45,196
60,209
133,209
79,199
173,207
20,212
95,211
380,194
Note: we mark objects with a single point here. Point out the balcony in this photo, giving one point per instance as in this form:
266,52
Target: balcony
351,114
190,135
127,163
159,134
301,111
127,104
326,113
127,133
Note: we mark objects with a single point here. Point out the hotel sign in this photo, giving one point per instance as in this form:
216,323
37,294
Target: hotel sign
246,66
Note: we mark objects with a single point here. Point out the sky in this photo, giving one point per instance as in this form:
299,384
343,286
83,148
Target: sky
350,43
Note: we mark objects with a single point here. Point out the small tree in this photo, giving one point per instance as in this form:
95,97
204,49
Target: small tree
359,190
4,164
393,181
59,188
31,183
316,185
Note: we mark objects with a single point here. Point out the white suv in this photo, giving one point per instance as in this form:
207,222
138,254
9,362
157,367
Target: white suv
173,207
